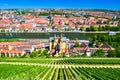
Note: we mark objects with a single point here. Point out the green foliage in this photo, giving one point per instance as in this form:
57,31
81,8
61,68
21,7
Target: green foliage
3,30
87,16
82,28
21,12
66,61
23,56
62,54
111,53
93,28
40,53
43,14
44,54
117,50
100,28
33,54
77,45
114,41
87,29
24,12
107,28
98,53
30,72
10,40
103,28
76,39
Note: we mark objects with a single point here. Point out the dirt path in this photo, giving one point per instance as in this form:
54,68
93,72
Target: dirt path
64,66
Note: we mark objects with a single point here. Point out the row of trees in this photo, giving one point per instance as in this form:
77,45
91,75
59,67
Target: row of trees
52,13
9,40
103,28
40,53
106,38
101,53
21,12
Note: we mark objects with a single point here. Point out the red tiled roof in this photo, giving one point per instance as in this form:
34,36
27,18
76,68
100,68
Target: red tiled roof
78,50
39,46
12,51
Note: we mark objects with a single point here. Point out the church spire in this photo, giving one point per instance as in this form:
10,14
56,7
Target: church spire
54,36
61,36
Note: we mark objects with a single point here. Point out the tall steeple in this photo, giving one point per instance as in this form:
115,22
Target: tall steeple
61,36
54,37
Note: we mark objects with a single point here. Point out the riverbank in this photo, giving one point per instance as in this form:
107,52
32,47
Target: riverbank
47,35
65,32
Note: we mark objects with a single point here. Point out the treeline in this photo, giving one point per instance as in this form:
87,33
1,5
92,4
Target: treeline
113,41
40,53
48,13
103,28
107,38
9,40
21,12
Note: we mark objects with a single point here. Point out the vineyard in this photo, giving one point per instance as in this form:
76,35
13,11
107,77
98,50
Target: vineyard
66,60
22,72
59,69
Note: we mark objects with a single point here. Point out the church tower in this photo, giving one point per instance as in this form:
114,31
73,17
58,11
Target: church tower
58,44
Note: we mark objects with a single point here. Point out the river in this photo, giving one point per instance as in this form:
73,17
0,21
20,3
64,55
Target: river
46,35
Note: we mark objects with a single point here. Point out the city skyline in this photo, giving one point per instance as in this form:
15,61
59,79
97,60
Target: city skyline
78,4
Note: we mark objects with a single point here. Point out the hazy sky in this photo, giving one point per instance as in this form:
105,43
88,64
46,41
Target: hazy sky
102,4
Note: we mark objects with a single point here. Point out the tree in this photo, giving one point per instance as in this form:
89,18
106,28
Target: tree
107,28
23,12
118,51
23,56
90,39
3,30
100,28
33,54
76,39
94,38
98,53
112,53
62,54
88,29
77,45
43,14
39,52
82,28
106,22
44,54
93,28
